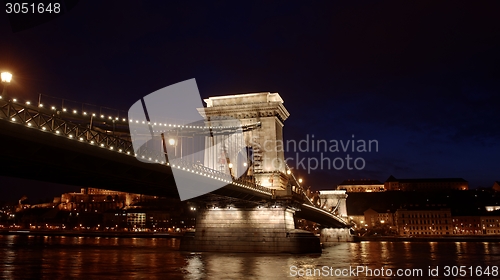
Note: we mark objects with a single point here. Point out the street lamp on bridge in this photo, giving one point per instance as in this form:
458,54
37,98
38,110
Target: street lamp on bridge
6,78
171,142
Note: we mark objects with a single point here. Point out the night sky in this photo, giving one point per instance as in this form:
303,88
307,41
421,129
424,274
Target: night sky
419,77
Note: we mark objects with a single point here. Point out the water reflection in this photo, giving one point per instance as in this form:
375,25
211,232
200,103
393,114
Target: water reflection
100,258
433,250
194,268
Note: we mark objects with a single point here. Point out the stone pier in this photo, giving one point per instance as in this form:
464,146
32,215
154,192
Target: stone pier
249,230
330,236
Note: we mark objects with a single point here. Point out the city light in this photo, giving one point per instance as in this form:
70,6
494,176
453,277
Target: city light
6,77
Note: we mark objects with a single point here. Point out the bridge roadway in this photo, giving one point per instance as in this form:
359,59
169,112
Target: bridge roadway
31,152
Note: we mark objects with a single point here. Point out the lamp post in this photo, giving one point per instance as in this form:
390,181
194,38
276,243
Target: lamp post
172,142
6,78
230,166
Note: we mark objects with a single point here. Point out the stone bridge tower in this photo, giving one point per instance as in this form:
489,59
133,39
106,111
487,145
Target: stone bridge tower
266,142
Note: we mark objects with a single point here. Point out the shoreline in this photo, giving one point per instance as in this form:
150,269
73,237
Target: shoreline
465,238
71,233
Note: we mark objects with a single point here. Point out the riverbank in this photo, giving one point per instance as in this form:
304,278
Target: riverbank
92,233
463,238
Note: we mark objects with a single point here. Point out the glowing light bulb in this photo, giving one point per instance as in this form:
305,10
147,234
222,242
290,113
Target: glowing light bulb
6,77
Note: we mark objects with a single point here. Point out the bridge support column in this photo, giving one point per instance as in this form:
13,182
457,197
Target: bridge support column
249,230
330,236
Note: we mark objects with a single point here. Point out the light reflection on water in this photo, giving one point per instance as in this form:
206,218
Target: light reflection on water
53,257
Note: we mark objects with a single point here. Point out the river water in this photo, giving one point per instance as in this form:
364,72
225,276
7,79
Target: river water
59,257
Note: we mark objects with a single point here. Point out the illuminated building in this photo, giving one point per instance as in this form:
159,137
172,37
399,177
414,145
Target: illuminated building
490,225
424,222
361,186
425,184
467,225
375,218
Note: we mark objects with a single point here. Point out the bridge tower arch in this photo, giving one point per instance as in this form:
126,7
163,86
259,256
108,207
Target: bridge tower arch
266,142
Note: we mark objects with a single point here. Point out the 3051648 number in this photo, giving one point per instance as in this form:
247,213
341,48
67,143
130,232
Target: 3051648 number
470,271
33,8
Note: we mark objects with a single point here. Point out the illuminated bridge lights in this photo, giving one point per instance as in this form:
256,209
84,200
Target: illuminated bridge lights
74,111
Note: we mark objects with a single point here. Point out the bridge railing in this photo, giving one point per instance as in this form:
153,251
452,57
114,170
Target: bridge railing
241,181
51,121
